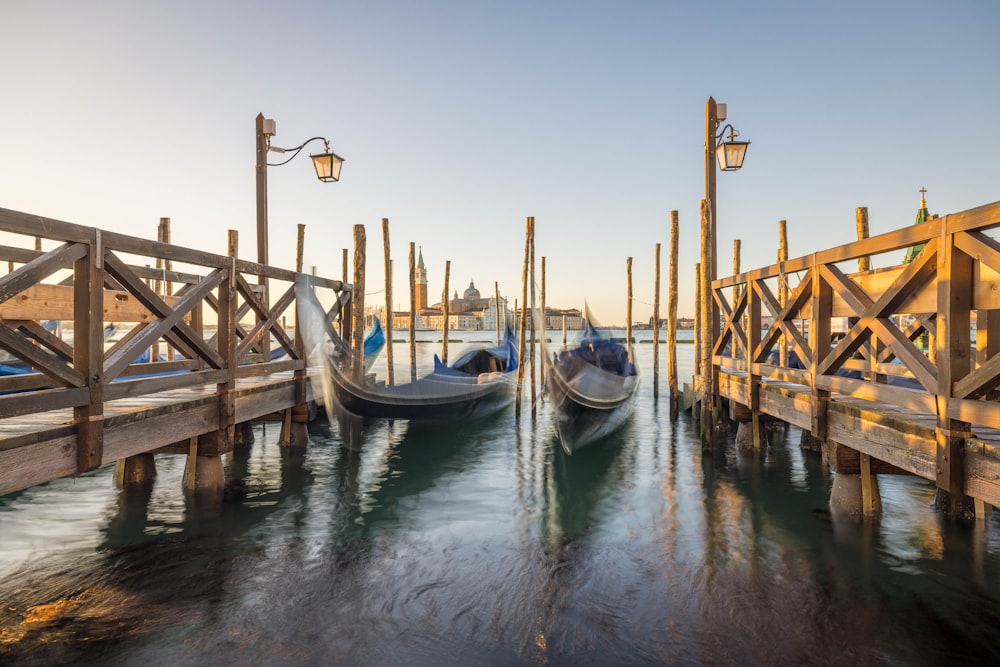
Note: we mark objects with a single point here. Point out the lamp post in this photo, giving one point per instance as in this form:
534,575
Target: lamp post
729,154
327,165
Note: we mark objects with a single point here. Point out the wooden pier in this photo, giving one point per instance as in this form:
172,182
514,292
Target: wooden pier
80,403
892,370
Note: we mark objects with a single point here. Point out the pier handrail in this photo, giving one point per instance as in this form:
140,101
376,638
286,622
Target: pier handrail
908,339
91,278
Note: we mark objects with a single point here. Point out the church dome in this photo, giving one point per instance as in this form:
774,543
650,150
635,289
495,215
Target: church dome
471,294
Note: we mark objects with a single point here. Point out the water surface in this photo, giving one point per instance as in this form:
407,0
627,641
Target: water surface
483,543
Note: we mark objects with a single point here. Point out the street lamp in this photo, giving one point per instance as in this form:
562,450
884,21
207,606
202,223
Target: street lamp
729,154
327,165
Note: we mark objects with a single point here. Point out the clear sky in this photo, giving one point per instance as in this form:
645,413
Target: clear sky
458,119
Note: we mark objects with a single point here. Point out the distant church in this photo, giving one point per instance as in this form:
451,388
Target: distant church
472,311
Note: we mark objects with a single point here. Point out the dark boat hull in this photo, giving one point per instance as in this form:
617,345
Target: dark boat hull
581,419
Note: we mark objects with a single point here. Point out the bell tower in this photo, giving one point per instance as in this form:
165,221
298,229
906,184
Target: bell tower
420,280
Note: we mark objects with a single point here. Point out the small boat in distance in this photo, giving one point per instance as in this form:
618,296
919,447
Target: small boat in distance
592,387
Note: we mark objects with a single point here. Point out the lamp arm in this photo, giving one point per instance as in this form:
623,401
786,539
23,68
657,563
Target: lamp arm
732,132
297,149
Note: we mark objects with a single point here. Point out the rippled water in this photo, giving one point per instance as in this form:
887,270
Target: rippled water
484,544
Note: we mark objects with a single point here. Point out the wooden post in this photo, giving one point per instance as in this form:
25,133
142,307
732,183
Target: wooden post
628,307
656,322
388,303
753,334
358,306
564,331
861,222
736,271
168,265
521,325
294,432
819,341
346,276
782,287
88,352
447,313
227,324
954,303
544,321
672,316
697,332
496,302
532,315
707,337
413,312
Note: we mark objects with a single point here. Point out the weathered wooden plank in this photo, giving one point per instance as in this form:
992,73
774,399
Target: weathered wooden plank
910,399
40,359
27,466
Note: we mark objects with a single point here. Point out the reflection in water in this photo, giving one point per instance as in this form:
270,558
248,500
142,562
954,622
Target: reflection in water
484,543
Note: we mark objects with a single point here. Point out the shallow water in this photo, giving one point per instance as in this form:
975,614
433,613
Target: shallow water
483,543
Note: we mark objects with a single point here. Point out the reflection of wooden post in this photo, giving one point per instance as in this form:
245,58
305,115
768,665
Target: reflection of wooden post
656,321
707,333
521,325
628,307
861,222
413,313
672,316
447,313
544,327
358,306
388,302
782,287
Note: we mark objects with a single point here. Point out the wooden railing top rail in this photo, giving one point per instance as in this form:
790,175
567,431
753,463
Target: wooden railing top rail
981,218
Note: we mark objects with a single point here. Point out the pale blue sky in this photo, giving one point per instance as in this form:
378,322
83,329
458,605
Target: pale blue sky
458,119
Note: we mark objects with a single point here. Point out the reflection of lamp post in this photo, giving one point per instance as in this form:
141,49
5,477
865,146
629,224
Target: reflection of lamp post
327,166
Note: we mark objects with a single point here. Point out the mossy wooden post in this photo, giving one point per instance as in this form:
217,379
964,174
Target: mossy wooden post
707,337
782,286
388,302
656,321
496,302
628,306
447,313
521,325
543,324
531,312
413,312
358,306
672,316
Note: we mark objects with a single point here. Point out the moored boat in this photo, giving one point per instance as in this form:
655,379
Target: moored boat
592,386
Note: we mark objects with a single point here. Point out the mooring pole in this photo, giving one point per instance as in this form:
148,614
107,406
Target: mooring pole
707,336
358,306
521,325
447,313
388,302
544,323
413,313
672,316
782,286
532,313
656,321
628,308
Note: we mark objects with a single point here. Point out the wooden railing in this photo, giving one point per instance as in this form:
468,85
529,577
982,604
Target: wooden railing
921,336
92,277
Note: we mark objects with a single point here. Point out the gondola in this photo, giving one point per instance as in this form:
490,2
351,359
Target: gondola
480,382
592,387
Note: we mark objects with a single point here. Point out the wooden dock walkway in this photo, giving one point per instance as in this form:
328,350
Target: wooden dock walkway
69,405
906,383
